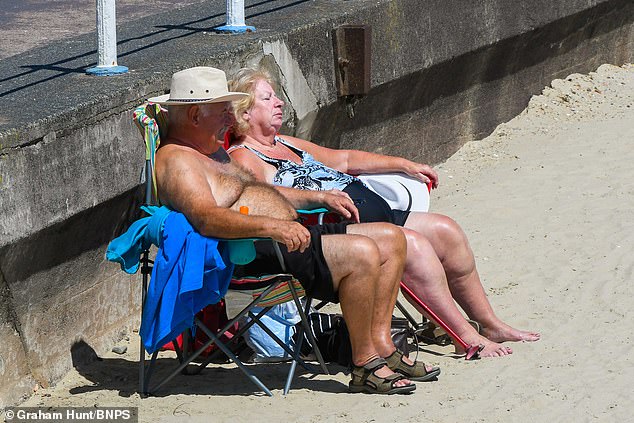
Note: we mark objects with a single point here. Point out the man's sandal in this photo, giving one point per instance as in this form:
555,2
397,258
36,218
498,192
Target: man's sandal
365,380
416,372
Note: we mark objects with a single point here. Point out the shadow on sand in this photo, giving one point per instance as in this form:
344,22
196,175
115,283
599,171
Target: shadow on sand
121,374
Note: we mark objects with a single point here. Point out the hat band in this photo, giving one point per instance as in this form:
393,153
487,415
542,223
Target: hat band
189,100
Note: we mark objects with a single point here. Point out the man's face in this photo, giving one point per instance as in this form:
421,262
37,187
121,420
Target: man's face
214,117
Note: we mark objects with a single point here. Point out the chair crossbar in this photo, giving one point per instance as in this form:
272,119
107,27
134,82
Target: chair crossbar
255,319
416,324
243,328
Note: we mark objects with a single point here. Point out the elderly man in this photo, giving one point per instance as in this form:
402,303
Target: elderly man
359,264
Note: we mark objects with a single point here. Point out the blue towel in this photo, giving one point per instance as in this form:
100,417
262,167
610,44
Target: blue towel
190,272
126,249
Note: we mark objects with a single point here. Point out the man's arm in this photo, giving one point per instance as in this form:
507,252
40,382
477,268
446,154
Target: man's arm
183,186
334,200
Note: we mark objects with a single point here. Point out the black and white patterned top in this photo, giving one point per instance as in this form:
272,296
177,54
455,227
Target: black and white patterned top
311,174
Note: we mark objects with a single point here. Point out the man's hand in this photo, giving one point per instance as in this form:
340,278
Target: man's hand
422,172
292,234
339,202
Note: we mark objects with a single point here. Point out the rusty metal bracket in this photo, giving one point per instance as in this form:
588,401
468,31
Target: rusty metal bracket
351,47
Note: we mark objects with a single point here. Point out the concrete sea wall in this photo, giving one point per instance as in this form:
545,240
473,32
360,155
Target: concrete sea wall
443,73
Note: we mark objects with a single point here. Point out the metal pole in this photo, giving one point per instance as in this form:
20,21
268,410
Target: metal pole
235,18
106,40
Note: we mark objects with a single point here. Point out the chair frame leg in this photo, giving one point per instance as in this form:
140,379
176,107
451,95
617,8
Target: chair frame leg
304,328
188,358
418,326
146,269
305,324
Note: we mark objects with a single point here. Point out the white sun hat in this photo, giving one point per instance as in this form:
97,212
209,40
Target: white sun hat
198,85
400,191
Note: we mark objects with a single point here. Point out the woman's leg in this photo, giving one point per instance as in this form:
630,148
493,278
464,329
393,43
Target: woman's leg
425,275
452,249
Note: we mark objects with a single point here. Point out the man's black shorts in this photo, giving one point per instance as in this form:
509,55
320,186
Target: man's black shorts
309,267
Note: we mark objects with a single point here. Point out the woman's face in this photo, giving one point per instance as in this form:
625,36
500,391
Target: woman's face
266,111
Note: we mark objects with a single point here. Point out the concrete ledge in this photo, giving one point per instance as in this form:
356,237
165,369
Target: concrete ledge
443,72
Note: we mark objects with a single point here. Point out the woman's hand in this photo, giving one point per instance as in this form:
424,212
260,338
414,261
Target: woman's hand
422,172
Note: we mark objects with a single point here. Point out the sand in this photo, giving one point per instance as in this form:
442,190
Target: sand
547,202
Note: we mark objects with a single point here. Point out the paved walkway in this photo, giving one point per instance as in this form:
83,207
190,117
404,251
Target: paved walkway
46,46
27,24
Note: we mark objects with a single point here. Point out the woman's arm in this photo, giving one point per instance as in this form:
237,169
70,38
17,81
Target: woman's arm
355,162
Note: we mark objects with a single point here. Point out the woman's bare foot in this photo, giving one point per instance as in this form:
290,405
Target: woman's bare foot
504,333
491,349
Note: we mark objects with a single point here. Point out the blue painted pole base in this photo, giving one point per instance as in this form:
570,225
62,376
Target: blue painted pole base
106,70
234,29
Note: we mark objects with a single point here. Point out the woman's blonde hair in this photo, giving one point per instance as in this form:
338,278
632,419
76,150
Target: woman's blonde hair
245,81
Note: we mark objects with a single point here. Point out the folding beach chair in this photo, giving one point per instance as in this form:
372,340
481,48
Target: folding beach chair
266,290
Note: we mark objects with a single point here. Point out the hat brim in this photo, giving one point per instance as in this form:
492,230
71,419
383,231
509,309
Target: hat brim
400,191
165,99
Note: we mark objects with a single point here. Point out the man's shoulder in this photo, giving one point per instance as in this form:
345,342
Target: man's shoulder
173,155
175,149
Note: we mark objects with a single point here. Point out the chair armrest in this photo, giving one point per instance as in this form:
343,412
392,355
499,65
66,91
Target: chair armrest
242,250
313,211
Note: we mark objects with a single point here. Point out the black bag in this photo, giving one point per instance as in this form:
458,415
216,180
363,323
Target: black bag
401,332
333,339
331,335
